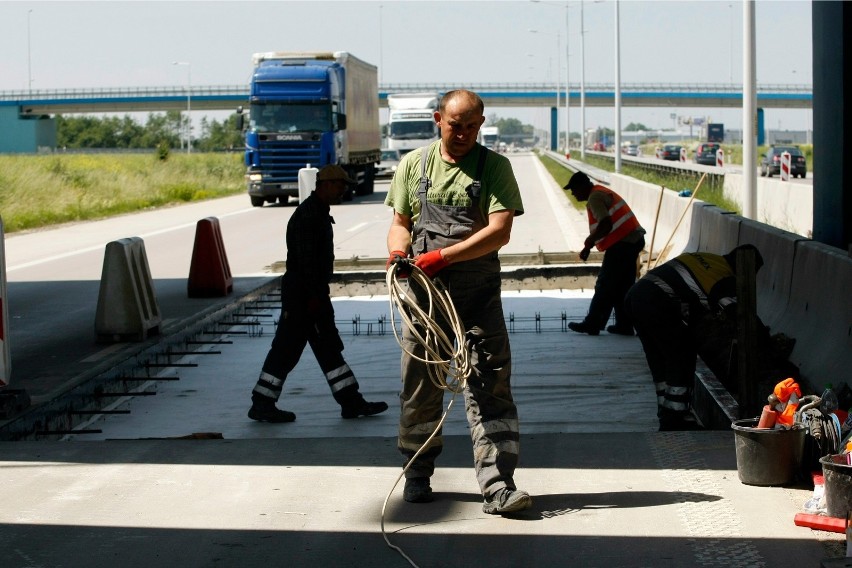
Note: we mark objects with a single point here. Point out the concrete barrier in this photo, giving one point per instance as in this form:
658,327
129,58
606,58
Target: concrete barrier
778,249
718,230
127,306
209,271
788,206
819,314
673,224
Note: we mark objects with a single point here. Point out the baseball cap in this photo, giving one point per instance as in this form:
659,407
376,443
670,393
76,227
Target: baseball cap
578,180
333,172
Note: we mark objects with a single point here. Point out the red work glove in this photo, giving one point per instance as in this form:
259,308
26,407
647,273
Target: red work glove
403,264
431,263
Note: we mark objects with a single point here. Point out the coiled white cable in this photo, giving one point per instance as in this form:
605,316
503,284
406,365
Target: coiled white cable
446,357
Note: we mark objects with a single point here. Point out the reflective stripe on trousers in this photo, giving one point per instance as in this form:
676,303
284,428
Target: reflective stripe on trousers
491,412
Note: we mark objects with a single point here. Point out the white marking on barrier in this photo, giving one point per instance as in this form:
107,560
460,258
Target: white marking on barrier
720,158
786,159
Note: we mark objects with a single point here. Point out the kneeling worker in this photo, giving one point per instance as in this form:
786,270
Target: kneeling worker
670,304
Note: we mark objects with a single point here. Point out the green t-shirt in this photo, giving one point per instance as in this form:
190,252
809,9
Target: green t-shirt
500,189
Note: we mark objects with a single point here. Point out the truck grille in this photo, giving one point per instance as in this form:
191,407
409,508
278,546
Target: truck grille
282,160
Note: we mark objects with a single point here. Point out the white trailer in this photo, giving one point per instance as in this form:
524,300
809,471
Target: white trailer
411,120
489,136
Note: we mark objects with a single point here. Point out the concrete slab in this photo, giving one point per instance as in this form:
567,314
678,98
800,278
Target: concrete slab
608,489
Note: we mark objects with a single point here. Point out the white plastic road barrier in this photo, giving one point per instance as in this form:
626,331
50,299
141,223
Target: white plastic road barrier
786,160
683,154
307,181
5,357
720,158
127,306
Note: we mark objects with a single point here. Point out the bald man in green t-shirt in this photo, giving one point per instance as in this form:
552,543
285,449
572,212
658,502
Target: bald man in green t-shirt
453,204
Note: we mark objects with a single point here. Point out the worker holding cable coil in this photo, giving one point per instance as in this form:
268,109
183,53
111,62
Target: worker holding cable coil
454,202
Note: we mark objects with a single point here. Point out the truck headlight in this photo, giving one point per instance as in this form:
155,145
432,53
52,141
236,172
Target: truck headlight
255,177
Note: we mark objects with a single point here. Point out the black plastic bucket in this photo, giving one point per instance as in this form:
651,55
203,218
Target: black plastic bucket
767,456
838,485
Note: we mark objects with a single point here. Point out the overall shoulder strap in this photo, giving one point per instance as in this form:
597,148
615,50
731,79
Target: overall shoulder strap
425,182
476,187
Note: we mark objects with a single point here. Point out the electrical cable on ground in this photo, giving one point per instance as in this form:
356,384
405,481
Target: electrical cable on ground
446,357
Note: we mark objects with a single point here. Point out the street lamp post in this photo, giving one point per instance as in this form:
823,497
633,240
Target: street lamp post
29,54
582,86
617,90
188,104
567,84
558,81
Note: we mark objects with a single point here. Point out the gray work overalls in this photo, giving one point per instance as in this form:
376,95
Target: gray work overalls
474,287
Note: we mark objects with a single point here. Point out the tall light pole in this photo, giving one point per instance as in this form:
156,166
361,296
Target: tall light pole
29,54
582,86
558,81
567,84
617,91
381,51
188,104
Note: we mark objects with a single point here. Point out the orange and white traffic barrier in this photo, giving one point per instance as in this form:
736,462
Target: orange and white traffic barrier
720,158
658,153
127,307
786,162
5,354
683,154
209,271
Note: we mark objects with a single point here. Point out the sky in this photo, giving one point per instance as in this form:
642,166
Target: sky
72,44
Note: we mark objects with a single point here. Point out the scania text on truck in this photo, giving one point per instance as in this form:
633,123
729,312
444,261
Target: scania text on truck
310,109
411,120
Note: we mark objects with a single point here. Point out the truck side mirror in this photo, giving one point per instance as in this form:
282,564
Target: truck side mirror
341,121
240,120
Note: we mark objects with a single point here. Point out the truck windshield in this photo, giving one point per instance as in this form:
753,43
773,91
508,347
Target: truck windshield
412,129
289,118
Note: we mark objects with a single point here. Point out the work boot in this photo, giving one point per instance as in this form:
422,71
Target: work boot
417,490
619,329
263,410
361,407
507,501
582,327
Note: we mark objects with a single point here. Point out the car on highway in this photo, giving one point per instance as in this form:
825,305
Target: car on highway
770,163
670,152
388,164
630,150
706,153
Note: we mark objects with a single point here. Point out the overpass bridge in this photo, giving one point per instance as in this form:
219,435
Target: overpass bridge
27,127
226,97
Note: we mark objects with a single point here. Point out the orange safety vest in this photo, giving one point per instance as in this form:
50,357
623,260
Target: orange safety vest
623,220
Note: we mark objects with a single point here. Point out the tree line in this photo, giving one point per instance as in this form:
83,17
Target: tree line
159,130
168,130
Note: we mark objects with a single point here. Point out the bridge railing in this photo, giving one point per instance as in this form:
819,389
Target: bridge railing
201,90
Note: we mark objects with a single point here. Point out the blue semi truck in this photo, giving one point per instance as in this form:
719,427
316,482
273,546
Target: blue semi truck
309,109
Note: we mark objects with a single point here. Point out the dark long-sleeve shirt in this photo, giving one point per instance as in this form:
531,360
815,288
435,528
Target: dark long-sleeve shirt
310,248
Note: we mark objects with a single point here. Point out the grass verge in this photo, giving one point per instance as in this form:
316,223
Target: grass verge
38,191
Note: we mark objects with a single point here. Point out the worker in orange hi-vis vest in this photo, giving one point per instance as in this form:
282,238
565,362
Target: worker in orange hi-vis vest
613,229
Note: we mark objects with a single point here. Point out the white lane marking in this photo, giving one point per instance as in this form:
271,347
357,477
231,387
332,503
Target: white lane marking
101,246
